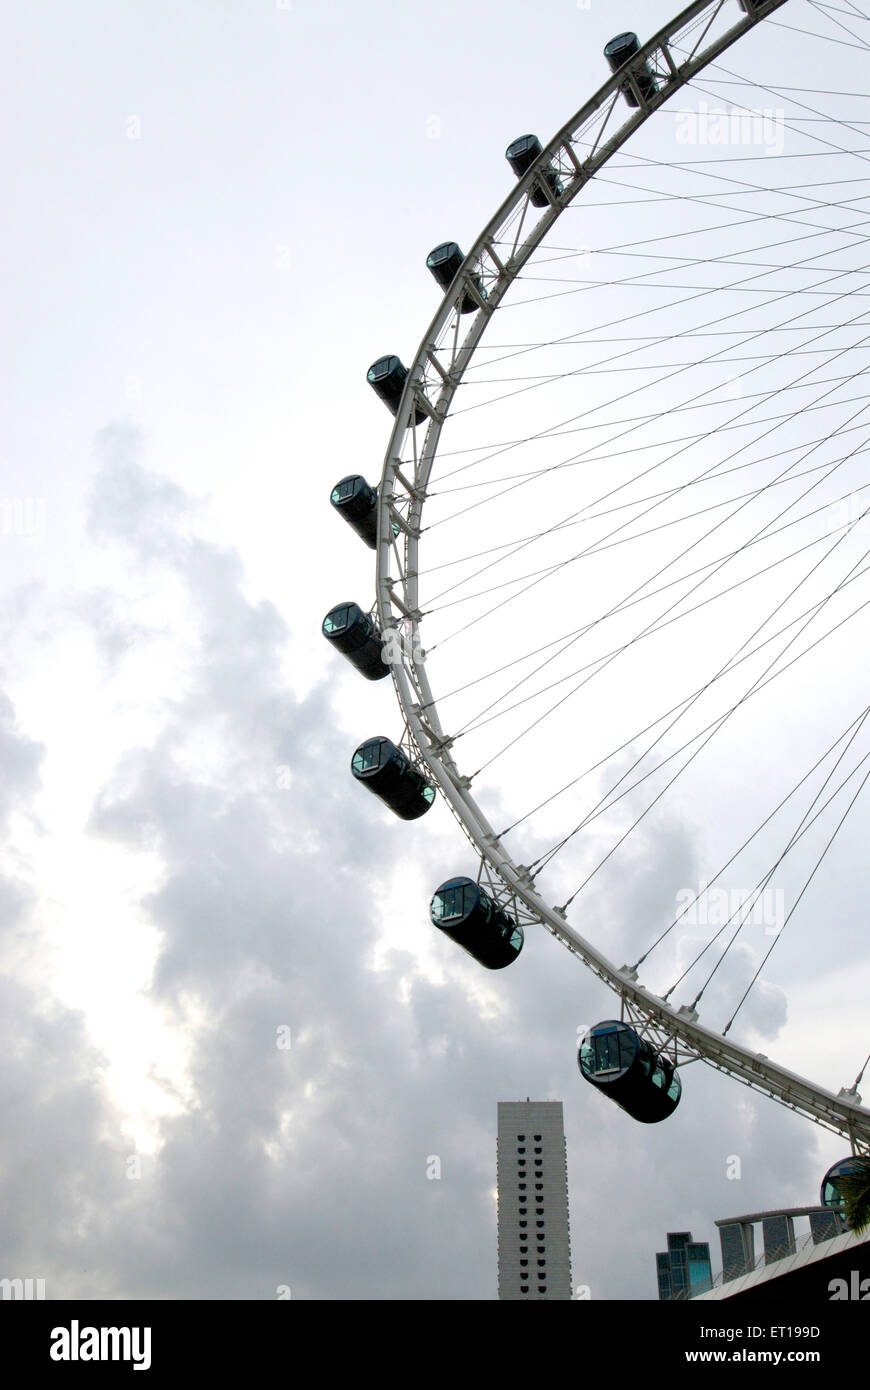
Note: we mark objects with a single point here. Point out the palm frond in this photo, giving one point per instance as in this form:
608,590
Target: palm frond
855,1191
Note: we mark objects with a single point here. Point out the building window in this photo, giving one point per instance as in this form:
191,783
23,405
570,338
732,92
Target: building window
523,1186
520,1151
525,1262
521,1138
537,1138
537,1151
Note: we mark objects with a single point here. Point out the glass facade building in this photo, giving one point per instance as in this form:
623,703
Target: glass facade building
684,1269
778,1233
778,1238
737,1239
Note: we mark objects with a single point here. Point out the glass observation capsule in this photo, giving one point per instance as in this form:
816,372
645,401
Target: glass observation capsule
521,155
357,502
387,379
618,52
385,770
466,914
830,1195
444,263
627,1069
353,633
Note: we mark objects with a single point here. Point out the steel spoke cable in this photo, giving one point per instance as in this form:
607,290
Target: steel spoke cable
711,357
746,843
701,294
796,904
806,822
695,403
640,588
826,38
699,396
583,455
600,549
651,416
759,889
804,91
694,438
608,800
709,564
711,725
628,281
762,357
478,553
652,632
697,231
685,262
652,578
600,665
638,636
774,91
680,770
826,12
745,221
576,339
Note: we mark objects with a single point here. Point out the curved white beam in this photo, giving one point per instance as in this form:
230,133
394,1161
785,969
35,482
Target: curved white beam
694,38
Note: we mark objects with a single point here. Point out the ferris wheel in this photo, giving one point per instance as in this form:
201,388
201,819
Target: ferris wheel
623,517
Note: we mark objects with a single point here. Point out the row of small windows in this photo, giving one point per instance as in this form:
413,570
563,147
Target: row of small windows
523,1224
539,1186
522,1151
524,1288
541,1249
522,1138
540,1262
524,1211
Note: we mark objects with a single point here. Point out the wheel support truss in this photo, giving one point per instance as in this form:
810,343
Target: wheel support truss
694,38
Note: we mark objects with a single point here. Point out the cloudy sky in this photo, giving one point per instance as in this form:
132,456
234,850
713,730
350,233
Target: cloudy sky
233,1041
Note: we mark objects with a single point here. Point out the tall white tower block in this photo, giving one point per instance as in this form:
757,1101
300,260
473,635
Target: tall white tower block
534,1254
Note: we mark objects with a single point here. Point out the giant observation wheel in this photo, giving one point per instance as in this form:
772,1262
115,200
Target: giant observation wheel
689,538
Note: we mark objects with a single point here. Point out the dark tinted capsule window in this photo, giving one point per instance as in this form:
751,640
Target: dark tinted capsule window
369,755
454,902
337,620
